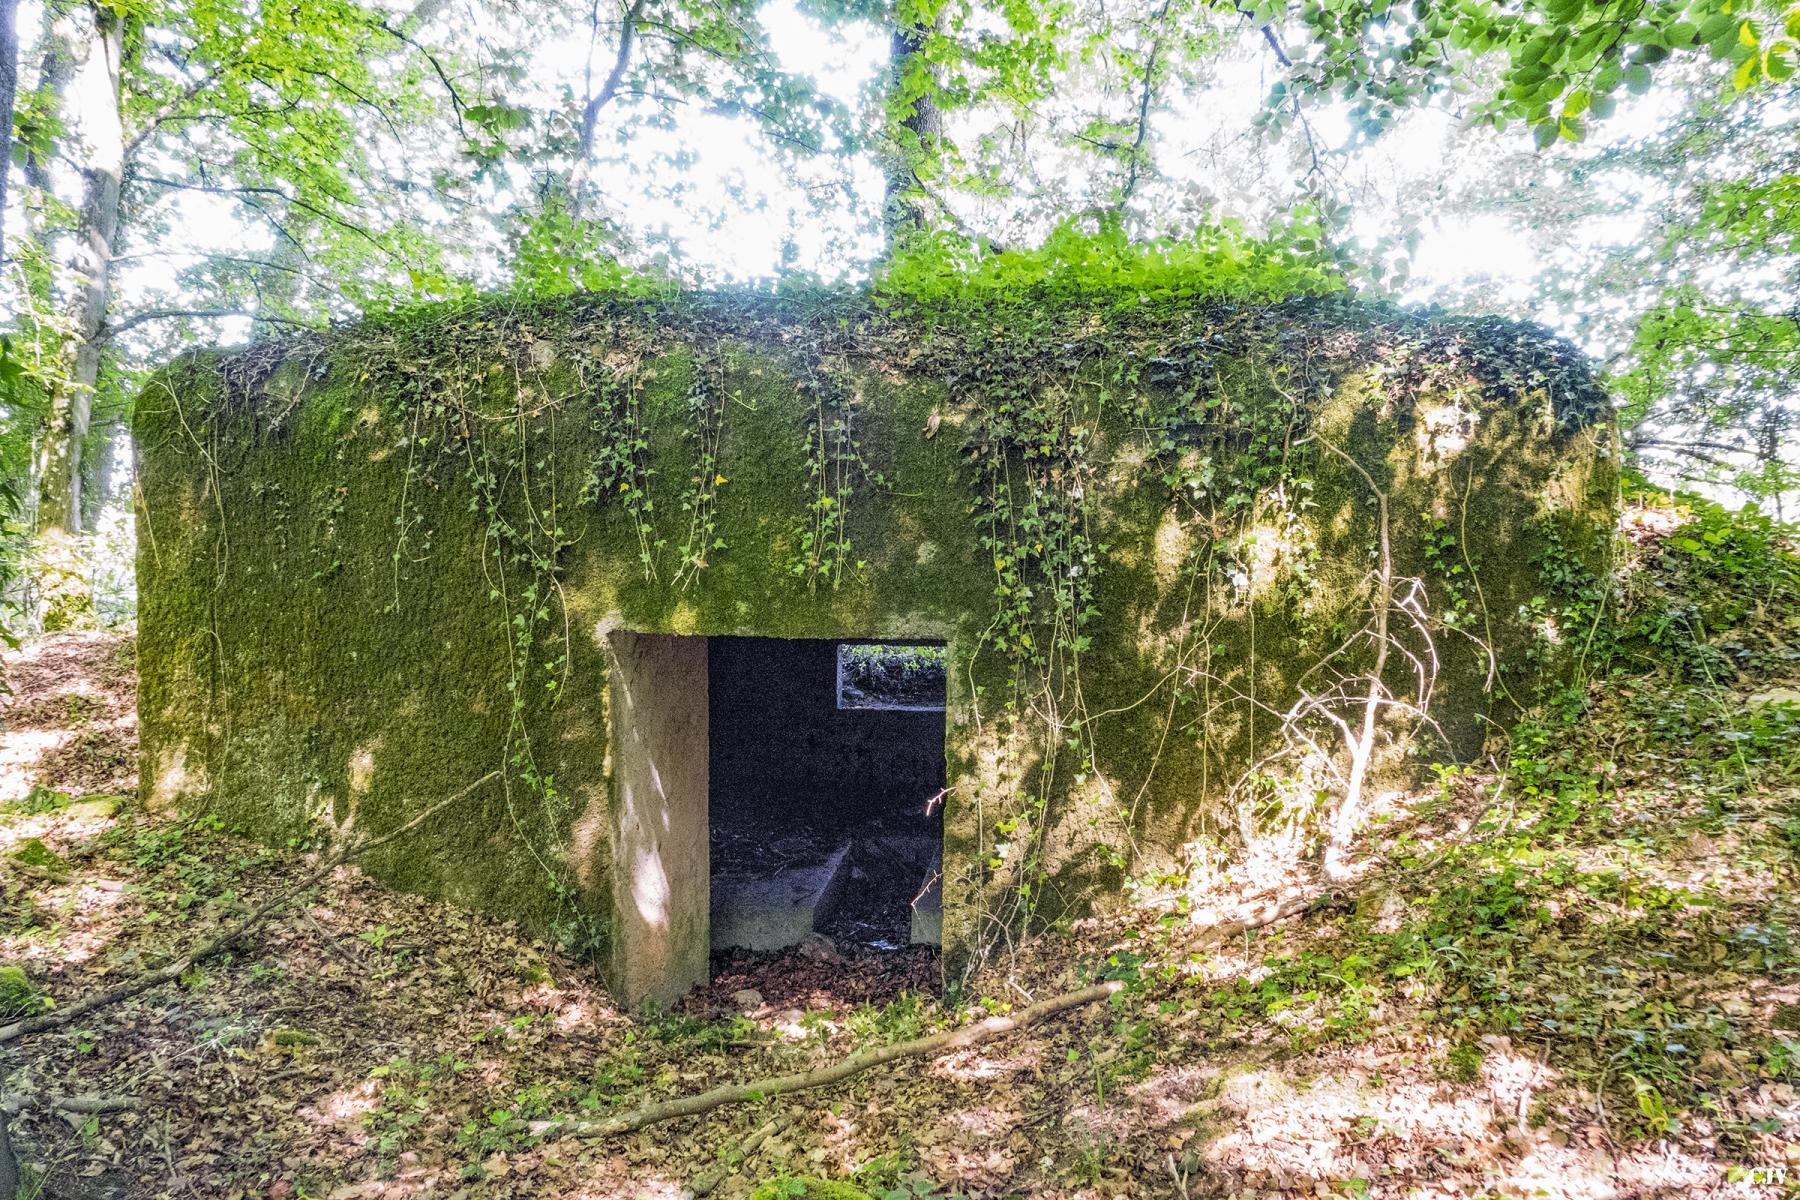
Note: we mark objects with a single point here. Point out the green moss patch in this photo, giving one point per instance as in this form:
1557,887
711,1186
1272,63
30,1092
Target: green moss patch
32,852
19,997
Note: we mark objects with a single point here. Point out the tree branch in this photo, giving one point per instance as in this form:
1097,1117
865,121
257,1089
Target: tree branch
114,329
456,100
590,115
253,190
1268,32
731,1159
934,1046
167,111
1135,169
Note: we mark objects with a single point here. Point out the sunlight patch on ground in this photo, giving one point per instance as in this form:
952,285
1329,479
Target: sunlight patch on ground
973,1065
87,937
656,1188
1277,1128
347,1108
1286,1133
1168,1097
843,1142
984,1121
21,750
571,1015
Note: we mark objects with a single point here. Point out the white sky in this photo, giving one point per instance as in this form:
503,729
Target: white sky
744,216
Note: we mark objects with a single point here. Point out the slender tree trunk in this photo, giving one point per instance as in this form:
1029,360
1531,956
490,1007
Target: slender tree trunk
55,69
9,88
581,177
9,1164
64,595
915,129
98,461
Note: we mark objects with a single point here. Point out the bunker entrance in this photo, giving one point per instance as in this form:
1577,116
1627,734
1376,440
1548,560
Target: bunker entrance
826,780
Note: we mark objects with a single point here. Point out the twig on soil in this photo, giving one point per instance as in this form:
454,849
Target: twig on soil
94,1105
330,940
1179,1176
934,1046
734,1157
234,933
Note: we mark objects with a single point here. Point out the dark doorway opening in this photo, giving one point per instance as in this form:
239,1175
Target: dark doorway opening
826,769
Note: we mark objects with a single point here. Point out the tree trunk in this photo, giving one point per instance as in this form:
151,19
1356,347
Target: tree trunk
9,87
64,596
9,1163
915,129
97,466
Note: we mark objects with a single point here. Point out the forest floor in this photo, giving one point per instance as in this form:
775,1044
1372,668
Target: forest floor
1573,973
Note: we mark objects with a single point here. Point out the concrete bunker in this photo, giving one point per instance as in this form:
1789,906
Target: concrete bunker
510,554
772,788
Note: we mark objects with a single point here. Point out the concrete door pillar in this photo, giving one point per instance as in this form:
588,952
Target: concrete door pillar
661,852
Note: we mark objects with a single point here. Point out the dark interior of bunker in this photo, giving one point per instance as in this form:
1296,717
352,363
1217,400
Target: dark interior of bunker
826,762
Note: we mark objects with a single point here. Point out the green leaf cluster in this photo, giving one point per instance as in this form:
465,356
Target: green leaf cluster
941,273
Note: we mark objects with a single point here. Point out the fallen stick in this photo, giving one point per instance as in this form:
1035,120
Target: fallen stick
232,935
934,1046
735,1157
95,1105
15,1104
737,1093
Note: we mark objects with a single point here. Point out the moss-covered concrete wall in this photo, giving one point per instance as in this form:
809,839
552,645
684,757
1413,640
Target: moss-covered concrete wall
381,564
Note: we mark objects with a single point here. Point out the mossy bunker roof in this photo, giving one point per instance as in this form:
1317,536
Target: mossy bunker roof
382,564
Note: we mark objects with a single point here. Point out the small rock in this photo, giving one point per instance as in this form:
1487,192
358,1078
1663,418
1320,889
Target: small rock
97,808
820,948
747,998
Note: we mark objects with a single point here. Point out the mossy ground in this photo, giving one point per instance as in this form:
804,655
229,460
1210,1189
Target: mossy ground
1575,976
